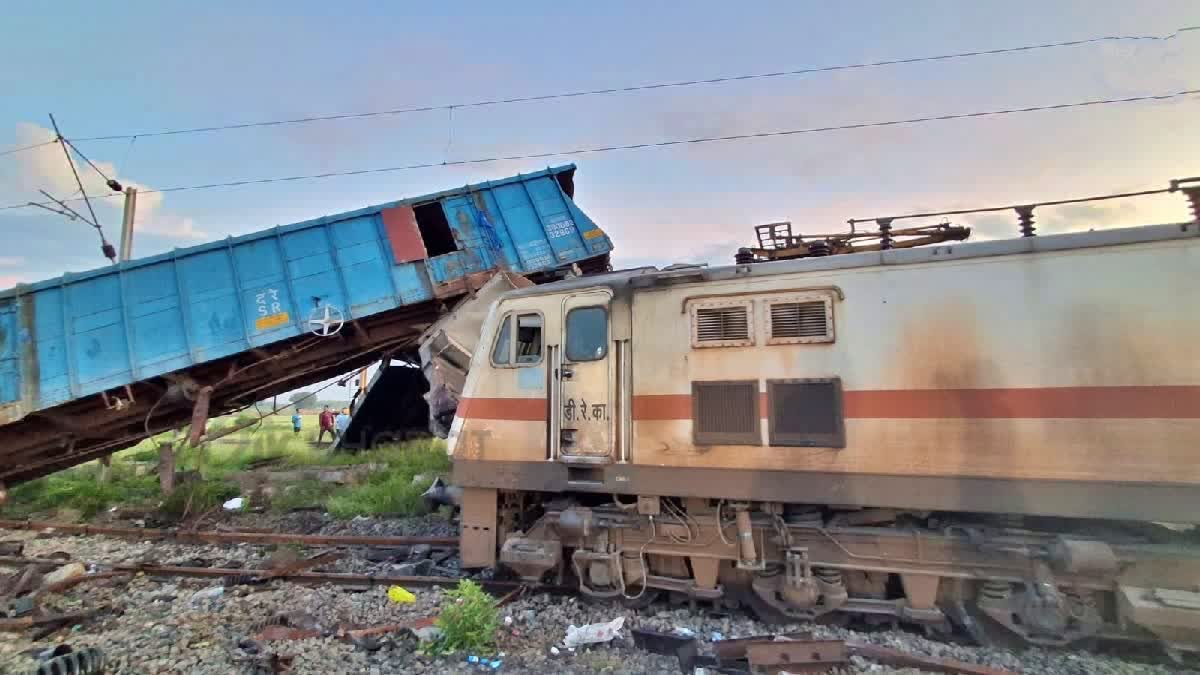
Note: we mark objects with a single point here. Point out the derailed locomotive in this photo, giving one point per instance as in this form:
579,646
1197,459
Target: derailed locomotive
987,436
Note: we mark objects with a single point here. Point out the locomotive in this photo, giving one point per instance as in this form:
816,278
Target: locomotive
996,437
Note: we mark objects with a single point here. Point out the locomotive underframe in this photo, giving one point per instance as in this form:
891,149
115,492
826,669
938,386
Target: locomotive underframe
997,578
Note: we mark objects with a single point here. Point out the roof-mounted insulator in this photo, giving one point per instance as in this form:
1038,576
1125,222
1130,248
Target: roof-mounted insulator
1192,192
1025,218
885,233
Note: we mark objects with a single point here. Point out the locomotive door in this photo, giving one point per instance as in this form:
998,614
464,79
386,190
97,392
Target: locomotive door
585,379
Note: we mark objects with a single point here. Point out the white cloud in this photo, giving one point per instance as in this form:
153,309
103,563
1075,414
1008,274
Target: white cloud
11,261
174,227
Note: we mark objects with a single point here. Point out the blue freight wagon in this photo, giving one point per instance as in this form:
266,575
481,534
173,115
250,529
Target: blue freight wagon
96,361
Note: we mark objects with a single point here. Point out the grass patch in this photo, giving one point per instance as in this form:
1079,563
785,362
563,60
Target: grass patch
468,621
389,491
80,490
197,497
392,491
306,493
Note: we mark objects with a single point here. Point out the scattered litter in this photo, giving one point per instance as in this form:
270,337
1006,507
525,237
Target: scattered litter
508,621
495,665
210,593
554,651
716,636
234,504
400,595
63,573
593,632
684,632
427,633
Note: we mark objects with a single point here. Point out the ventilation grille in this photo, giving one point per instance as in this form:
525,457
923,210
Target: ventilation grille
722,324
806,413
799,320
725,413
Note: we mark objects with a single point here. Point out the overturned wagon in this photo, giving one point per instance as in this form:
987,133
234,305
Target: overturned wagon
976,434
94,362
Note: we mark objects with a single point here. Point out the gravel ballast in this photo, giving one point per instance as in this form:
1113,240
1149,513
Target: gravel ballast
154,626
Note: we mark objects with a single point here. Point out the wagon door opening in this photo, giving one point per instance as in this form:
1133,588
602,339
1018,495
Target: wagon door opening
585,380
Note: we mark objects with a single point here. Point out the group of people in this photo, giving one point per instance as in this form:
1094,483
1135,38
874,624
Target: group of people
328,421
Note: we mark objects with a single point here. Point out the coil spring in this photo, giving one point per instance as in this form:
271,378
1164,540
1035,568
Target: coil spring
828,575
996,591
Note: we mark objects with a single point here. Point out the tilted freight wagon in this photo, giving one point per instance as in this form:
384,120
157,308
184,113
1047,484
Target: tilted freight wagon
94,362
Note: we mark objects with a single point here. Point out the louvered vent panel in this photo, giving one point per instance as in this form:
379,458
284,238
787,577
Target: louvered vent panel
726,413
806,413
798,320
722,323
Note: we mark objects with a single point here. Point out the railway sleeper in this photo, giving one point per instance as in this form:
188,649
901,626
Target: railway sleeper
1000,581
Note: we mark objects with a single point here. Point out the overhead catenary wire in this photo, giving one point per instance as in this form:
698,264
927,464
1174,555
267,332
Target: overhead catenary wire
23,148
669,143
647,87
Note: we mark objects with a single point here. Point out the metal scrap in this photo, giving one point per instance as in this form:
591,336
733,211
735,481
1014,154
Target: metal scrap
796,656
24,622
685,649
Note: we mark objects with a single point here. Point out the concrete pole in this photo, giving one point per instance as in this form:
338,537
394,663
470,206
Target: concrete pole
126,251
123,254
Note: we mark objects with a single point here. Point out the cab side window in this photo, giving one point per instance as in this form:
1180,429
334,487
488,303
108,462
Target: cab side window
587,334
502,351
518,341
529,338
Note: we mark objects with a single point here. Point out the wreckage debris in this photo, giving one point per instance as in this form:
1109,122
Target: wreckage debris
799,652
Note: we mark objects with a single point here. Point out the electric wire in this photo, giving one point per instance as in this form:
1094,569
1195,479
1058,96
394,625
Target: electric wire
23,148
670,143
650,86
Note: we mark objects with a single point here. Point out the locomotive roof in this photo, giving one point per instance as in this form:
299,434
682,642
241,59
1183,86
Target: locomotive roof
647,277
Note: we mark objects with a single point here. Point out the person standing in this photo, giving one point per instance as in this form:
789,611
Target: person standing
342,422
297,421
325,422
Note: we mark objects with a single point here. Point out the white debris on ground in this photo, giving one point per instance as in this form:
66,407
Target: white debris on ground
168,625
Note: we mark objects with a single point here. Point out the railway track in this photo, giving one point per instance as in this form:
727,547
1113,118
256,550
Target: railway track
234,576
188,536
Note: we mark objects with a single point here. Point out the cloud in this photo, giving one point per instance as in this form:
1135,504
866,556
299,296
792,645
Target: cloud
11,261
173,227
10,280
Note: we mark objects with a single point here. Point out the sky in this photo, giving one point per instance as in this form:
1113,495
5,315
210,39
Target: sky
142,66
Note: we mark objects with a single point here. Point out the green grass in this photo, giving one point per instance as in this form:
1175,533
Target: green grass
197,497
304,494
80,490
389,491
392,491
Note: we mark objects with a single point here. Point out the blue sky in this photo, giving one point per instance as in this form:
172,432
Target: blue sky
135,66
